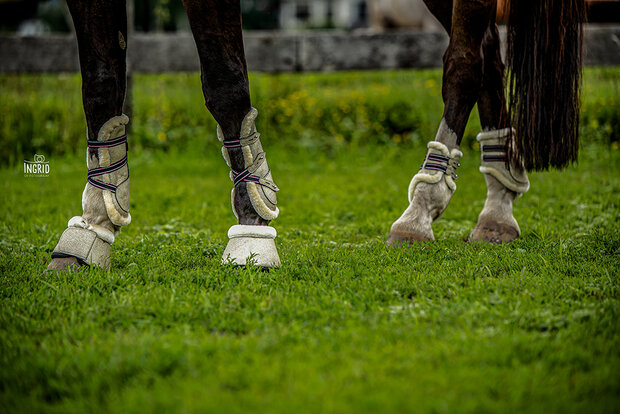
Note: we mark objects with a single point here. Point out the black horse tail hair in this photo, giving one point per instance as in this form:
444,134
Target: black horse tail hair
544,55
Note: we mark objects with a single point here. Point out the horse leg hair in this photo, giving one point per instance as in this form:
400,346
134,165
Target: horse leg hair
463,62
216,26
492,101
442,10
101,30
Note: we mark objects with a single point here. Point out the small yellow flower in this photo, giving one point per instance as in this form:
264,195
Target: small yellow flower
430,84
161,136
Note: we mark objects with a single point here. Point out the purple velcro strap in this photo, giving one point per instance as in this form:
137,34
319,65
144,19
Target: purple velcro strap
107,144
233,144
106,170
437,158
436,167
244,176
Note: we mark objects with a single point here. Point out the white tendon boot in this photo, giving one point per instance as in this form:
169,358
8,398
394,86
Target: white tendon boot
105,201
249,242
505,183
430,191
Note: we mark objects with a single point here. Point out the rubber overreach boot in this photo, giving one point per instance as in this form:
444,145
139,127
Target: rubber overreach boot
254,244
85,246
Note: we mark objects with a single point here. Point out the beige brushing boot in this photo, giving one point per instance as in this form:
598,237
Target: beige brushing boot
253,242
505,183
430,191
105,202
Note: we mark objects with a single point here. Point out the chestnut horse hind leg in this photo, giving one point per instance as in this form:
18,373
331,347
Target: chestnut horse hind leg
216,27
101,29
505,176
432,187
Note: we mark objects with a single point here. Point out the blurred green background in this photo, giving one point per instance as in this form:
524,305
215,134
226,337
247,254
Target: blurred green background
43,114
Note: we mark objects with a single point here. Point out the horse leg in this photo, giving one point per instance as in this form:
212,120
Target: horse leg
442,10
101,30
506,178
216,26
432,187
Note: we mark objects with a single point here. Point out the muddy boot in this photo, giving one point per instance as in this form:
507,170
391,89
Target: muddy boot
505,183
430,191
105,202
252,242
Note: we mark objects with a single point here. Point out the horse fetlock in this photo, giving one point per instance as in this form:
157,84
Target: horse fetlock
506,181
496,223
430,192
253,199
105,201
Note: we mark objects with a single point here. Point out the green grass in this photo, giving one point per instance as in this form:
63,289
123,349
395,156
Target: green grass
346,324
303,111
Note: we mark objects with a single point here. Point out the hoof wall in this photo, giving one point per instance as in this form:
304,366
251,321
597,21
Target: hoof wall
400,237
494,232
252,244
62,264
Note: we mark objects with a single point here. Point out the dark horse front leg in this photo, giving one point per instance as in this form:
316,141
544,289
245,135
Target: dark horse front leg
216,26
101,30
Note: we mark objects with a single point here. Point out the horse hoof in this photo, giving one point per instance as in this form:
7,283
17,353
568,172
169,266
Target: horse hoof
400,237
493,232
252,244
60,264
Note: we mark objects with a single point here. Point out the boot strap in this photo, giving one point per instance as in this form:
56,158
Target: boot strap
96,172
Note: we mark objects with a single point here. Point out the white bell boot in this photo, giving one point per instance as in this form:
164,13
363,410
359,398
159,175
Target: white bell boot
505,183
430,191
252,242
105,201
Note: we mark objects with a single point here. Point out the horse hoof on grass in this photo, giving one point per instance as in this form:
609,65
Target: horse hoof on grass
60,264
400,237
252,244
493,232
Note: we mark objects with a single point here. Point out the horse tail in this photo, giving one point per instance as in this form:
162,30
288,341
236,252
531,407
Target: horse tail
544,55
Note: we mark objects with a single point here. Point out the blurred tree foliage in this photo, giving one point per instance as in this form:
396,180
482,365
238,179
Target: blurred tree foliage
43,113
